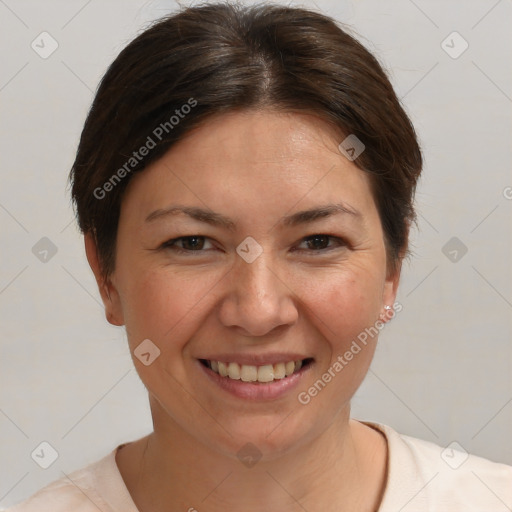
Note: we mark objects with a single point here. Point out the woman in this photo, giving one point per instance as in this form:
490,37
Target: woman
244,182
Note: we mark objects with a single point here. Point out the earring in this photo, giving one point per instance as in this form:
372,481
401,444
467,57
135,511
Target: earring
385,316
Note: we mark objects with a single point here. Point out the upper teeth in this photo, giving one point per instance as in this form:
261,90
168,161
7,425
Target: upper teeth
249,373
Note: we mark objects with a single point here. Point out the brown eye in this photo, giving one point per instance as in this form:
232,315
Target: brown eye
183,244
193,243
320,242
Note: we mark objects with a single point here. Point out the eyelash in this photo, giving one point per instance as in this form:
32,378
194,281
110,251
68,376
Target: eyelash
171,244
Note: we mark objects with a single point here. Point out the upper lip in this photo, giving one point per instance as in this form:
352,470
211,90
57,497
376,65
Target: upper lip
256,359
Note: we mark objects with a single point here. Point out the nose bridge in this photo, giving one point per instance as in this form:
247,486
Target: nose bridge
257,299
258,277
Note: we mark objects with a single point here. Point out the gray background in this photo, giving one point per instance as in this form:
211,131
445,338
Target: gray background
442,371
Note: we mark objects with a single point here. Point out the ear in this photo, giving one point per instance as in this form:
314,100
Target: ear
392,280
108,291
389,293
391,288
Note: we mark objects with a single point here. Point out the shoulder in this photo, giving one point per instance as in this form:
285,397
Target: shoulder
425,476
79,491
59,496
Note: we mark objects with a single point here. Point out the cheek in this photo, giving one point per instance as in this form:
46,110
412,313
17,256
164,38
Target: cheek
343,301
167,308
162,304
344,311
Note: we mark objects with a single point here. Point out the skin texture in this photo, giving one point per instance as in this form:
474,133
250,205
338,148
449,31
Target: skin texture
254,167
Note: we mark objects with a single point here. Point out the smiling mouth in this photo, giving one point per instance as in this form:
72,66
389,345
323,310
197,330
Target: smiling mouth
250,373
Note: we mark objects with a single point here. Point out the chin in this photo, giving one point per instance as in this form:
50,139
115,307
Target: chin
266,436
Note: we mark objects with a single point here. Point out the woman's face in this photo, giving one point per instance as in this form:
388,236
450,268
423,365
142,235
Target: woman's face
252,285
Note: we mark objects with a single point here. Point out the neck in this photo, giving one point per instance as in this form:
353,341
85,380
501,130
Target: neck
170,470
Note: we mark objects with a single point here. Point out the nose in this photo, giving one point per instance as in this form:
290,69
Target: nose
257,299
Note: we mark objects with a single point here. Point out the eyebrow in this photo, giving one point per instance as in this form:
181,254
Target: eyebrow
295,219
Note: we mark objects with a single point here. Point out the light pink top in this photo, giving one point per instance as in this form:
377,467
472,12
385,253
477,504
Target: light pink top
422,477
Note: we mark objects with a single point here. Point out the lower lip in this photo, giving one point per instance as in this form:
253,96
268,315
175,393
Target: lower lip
256,390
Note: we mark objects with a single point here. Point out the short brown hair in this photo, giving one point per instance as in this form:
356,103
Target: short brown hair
222,57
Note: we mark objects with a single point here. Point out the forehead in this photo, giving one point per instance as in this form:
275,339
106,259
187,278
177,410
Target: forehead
260,157
266,136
